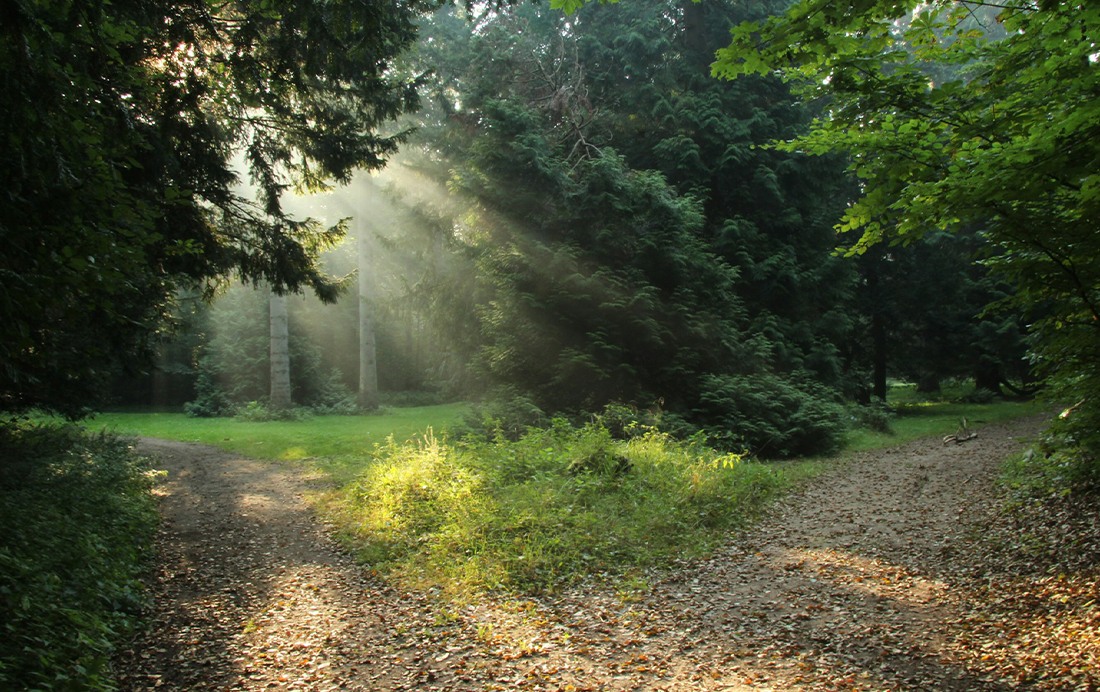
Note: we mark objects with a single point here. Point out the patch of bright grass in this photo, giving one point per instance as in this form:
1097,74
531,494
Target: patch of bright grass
526,516
919,416
318,436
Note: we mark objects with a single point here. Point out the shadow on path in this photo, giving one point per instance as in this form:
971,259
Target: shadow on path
847,586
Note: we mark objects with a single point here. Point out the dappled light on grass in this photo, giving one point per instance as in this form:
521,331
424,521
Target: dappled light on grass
552,508
294,453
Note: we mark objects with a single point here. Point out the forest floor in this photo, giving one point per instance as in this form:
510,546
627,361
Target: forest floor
884,574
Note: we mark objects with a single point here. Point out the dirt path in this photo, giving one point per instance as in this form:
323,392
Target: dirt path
862,582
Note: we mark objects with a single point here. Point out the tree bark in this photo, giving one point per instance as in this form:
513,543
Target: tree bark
878,336
280,353
368,364
878,331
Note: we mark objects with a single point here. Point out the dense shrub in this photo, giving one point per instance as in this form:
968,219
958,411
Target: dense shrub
626,422
504,414
76,525
875,416
259,412
770,416
210,399
414,398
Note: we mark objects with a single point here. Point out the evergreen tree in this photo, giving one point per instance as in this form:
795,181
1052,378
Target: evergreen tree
598,280
770,214
120,124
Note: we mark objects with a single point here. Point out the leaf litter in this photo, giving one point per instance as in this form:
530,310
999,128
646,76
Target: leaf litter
897,571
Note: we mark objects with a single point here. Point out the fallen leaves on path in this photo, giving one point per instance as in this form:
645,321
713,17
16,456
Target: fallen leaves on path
876,578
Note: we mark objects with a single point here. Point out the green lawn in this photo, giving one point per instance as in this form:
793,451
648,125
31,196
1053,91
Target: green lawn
320,436
918,416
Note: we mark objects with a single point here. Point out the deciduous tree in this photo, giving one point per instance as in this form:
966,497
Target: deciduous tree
1008,138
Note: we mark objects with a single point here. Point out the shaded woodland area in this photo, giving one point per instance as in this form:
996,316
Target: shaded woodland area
655,245
582,202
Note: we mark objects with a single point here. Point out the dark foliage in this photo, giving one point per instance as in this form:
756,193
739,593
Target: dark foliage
76,524
120,122
601,275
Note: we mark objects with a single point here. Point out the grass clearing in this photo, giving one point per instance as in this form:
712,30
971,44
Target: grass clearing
918,416
318,436
556,506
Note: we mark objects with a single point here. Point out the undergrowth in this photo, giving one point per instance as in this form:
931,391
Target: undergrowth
551,508
1049,517
76,525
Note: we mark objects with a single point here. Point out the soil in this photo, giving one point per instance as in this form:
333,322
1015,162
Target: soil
872,578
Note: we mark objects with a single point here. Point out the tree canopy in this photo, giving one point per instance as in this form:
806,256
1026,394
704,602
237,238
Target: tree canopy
126,129
963,112
630,244
959,113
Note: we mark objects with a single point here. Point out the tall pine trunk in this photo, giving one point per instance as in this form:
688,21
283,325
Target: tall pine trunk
280,353
878,324
368,365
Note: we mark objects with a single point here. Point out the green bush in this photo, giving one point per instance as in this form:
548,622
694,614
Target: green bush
875,416
505,414
594,451
259,412
1058,466
627,422
414,398
210,399
332,397
76,526
774,417
978,396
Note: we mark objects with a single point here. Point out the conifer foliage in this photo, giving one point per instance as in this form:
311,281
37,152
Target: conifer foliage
607,264
120,124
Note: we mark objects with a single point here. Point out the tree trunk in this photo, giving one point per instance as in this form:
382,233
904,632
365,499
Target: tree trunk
368,366
928,383
878,336
988,377
878,333
280,353
695,29
411,364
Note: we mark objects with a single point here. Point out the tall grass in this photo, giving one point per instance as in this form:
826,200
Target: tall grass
555,506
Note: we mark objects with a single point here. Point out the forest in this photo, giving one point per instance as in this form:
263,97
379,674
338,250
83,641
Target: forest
580,201
625,272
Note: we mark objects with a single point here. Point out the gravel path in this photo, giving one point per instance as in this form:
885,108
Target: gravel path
860,582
